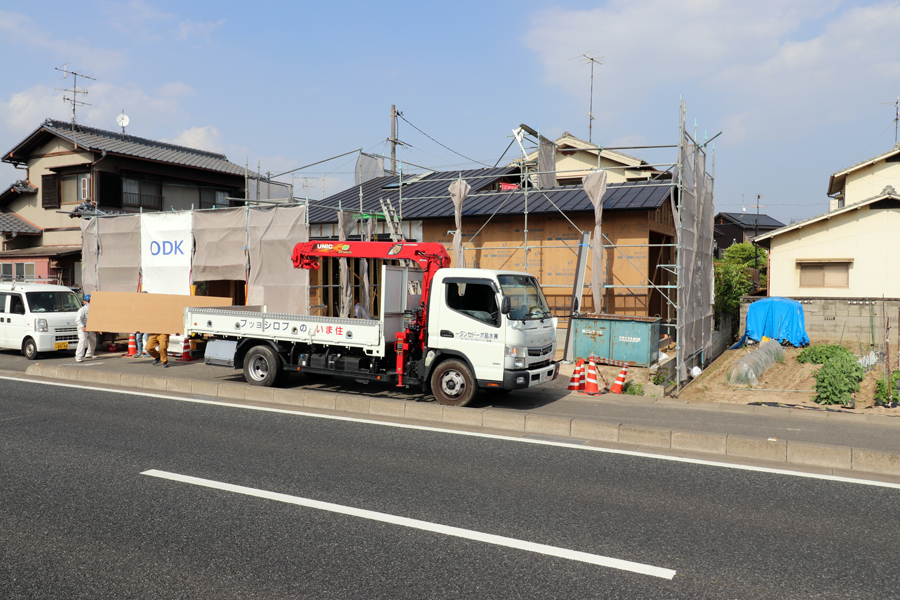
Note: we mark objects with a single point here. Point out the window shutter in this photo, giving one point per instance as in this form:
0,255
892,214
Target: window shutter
49,191
110,190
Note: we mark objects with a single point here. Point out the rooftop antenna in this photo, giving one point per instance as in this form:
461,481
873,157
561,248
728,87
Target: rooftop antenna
123,120
589,58
896,105
74,90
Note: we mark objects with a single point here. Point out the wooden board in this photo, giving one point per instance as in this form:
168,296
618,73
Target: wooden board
126,312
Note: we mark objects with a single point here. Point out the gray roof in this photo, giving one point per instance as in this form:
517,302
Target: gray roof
748,220
428,198
41,251
100,140
10,223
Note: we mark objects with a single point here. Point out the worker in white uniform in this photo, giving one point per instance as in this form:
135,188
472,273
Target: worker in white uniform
86,340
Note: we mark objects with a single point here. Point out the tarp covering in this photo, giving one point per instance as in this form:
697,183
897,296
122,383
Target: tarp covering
119,262
220,238
90,252
595,188
166,249
777,318
367,168
547,163
459,189
274,282
345,222
260,189
365,293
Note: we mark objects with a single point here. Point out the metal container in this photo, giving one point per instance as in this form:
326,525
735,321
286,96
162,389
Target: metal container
629,339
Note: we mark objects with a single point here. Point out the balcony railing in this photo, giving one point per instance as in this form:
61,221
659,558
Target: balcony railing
142,200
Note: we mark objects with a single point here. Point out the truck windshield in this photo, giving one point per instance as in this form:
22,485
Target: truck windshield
40,302
526,298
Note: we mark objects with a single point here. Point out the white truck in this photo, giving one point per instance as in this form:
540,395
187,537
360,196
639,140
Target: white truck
37,317
453,329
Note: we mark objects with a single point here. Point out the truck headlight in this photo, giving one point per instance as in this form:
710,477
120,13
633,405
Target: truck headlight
40,325
519,363
517,351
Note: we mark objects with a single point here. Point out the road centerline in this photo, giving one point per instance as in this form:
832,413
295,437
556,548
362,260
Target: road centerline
595,559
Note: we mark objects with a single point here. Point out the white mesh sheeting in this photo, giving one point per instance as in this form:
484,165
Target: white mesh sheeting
274,281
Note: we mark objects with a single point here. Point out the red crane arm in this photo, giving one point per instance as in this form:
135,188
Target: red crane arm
430,256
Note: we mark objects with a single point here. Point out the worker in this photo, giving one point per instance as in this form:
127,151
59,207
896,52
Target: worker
86,340
161,355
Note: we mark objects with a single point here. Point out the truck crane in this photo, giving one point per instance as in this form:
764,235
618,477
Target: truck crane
453,330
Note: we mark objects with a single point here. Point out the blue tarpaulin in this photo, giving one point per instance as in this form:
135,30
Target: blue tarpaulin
779,319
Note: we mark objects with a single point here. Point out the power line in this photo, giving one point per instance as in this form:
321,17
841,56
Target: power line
400,114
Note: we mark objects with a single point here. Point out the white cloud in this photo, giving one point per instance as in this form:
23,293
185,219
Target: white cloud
761,66
175,89
202,138
139,20
189,30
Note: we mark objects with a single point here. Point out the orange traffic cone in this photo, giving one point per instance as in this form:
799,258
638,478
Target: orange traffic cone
132,346
576,384
186,351
620,381
591,388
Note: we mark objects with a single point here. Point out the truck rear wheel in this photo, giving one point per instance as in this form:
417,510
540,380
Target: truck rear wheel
262,366
452,383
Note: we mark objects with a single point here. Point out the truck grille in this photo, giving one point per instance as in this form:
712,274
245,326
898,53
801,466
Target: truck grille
65,330
539,365
65,338
540,351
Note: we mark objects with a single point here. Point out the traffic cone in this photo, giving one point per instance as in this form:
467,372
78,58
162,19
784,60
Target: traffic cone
576,384
590,380
132,346
620,381
186,351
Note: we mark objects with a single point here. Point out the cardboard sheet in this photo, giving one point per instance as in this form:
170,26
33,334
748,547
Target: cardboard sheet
127,312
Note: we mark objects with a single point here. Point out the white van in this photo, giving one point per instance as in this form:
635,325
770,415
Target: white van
37,317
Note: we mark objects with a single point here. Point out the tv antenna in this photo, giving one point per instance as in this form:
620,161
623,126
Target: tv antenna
896,105
589,58
74,90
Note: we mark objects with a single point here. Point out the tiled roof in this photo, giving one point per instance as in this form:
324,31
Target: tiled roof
429,197
10,223
100,140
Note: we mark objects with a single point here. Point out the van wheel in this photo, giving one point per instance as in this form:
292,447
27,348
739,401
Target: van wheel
262,366
452,383
29,349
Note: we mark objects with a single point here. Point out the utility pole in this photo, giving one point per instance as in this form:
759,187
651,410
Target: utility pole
755,245
393,139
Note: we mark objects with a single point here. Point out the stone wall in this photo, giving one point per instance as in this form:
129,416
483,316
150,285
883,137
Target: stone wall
722,338
832,320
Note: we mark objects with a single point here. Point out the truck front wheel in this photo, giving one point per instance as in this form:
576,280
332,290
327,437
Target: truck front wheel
262,366
452,383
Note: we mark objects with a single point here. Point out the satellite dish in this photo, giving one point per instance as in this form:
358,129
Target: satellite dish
122,120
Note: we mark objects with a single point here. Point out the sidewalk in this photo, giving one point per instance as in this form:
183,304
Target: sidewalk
828,441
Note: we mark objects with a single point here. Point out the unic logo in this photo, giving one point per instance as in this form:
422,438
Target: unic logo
324,246
166,248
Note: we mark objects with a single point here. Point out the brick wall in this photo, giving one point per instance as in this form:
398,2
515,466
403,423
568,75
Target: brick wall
840,319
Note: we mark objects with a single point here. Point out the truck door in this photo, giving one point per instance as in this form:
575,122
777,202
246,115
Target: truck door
469,321
3,317
16,321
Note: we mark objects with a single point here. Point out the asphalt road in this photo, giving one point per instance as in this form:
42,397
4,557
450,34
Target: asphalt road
89,509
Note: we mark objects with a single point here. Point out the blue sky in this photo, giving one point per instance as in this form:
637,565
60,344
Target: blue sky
797,87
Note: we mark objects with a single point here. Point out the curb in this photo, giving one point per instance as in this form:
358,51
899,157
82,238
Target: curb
804,454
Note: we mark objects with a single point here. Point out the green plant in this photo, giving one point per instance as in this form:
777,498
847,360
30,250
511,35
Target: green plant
746,254
633,389
838,378
732,281
821,353
881,388
659,378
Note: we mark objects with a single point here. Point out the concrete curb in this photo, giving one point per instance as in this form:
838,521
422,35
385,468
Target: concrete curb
803,454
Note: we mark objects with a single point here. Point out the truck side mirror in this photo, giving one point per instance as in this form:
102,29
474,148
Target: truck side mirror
505,305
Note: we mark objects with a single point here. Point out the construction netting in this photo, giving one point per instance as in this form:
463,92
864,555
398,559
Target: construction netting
119,259
220,241
274,282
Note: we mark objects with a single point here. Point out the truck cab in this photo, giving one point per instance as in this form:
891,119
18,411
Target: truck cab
497,324
37,317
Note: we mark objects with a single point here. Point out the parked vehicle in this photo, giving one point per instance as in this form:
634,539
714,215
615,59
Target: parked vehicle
37,317
456,330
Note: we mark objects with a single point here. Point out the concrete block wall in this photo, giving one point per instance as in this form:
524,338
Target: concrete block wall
832,320
722,338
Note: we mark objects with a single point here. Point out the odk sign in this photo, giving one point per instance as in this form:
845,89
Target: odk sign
166,248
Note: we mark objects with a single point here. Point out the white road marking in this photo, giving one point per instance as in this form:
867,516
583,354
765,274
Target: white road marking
509,438
594,559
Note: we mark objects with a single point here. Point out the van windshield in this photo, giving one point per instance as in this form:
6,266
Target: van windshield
526,298
40,302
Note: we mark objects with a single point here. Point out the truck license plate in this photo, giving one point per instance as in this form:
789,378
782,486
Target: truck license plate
545,376
61,346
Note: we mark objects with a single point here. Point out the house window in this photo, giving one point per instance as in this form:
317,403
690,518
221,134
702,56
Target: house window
16,271
75,189
212,199
139,193
832,274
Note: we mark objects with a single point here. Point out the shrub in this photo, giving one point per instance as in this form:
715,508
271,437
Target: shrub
819,355
633,389
838,378
881,389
